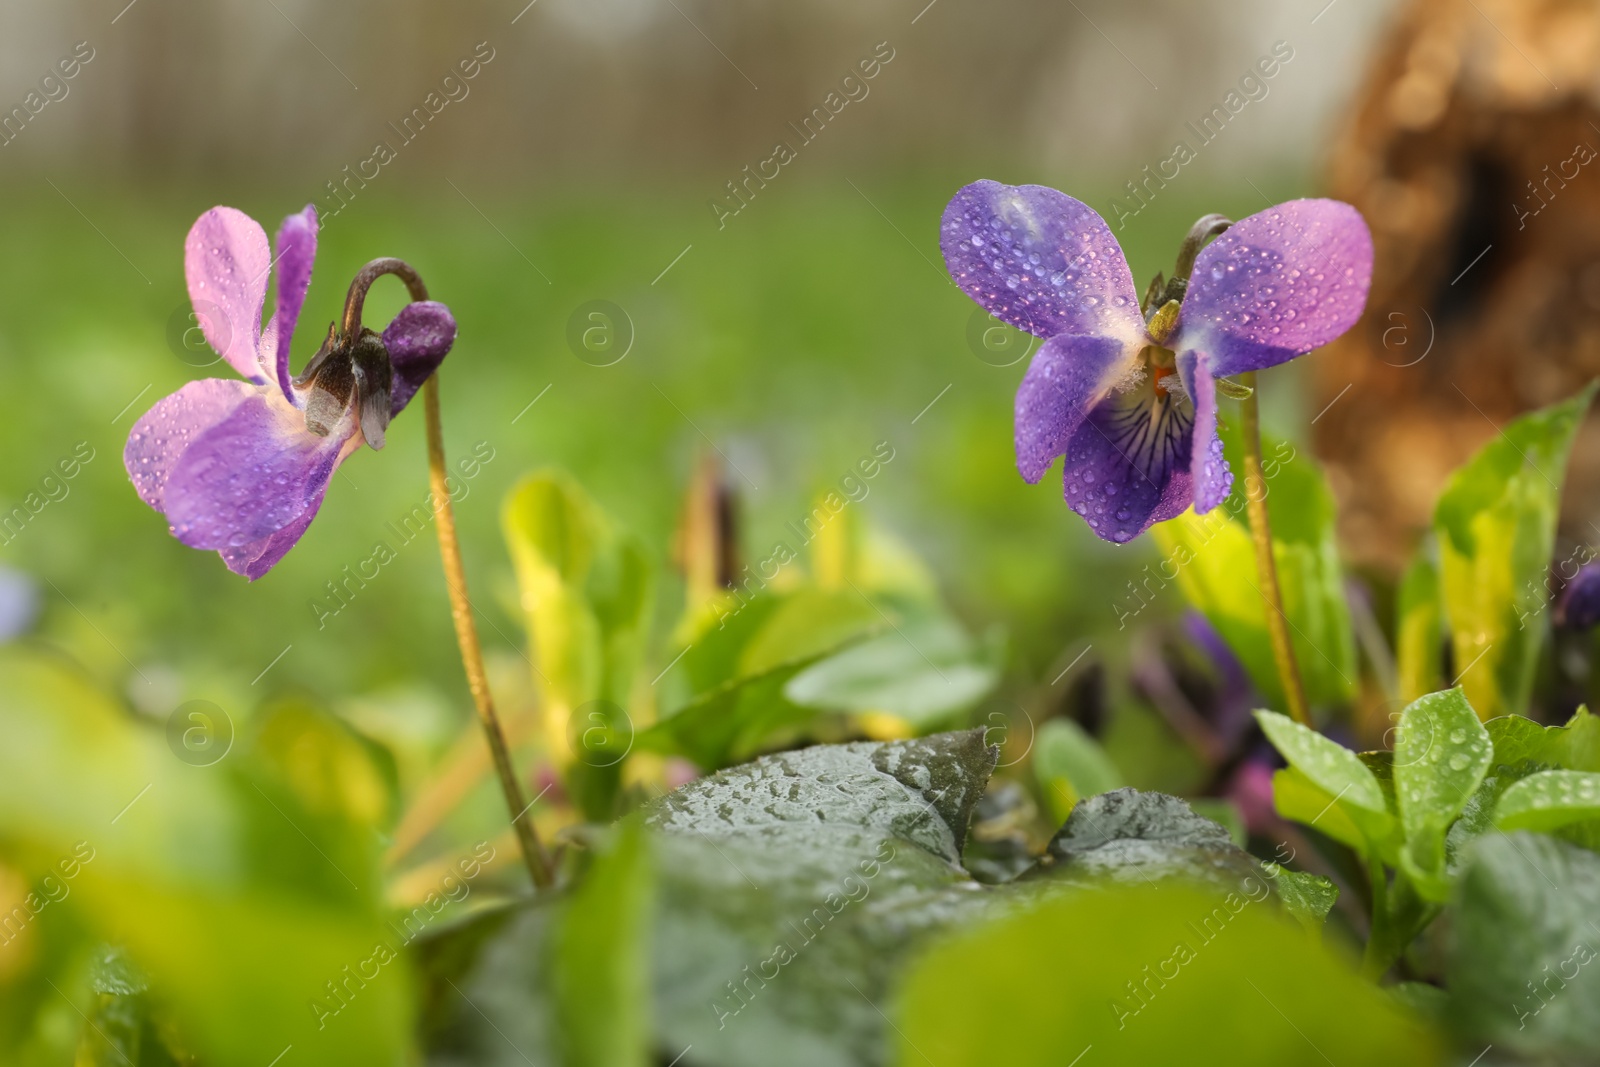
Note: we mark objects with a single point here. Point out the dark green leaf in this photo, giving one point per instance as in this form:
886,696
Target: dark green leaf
1522,971
1128,837
790,892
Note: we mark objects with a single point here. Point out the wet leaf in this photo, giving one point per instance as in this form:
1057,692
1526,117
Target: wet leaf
1522,969
1441,754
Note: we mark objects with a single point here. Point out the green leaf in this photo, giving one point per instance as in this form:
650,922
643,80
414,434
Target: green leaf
237,895
1071,765
1146,976
1477,817
736,719
1419,631
586,591
1496,523
1294,796
620,591
1212,558
807,623
1522,970
790,892
599,959
793,892
1421,999
552,529
1307,897
1126,837
1441,754
1517,738
920,673
1327,764
1225,813
737,668
1576,746
1549,800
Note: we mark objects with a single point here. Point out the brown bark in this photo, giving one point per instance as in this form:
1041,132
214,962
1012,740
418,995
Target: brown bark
1473,150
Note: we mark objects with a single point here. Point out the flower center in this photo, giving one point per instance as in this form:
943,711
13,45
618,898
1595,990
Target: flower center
1161,365
348,374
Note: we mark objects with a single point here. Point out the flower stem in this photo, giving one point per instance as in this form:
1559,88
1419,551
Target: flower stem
1267,568
455,576
1376,958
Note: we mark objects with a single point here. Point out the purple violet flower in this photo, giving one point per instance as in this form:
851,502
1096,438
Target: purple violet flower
1578,605
241,466
1130,397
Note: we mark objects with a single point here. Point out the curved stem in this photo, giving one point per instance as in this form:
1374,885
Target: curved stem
357,297
1261,533
1205,228
455,577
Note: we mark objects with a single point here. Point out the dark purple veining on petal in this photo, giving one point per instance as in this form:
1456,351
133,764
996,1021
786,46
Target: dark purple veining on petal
1127,466
1272,287
1039,260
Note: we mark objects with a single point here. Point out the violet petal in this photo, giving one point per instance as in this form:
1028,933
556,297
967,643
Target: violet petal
1039,260
418,340
251,475
1208,470
1277,284
226,263
164,432
1127,466
1068,376
259,557
297,250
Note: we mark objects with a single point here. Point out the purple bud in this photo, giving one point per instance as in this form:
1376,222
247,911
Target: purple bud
1578,606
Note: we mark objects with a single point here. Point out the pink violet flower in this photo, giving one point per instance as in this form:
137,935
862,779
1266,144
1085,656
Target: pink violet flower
240,466
1131,402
